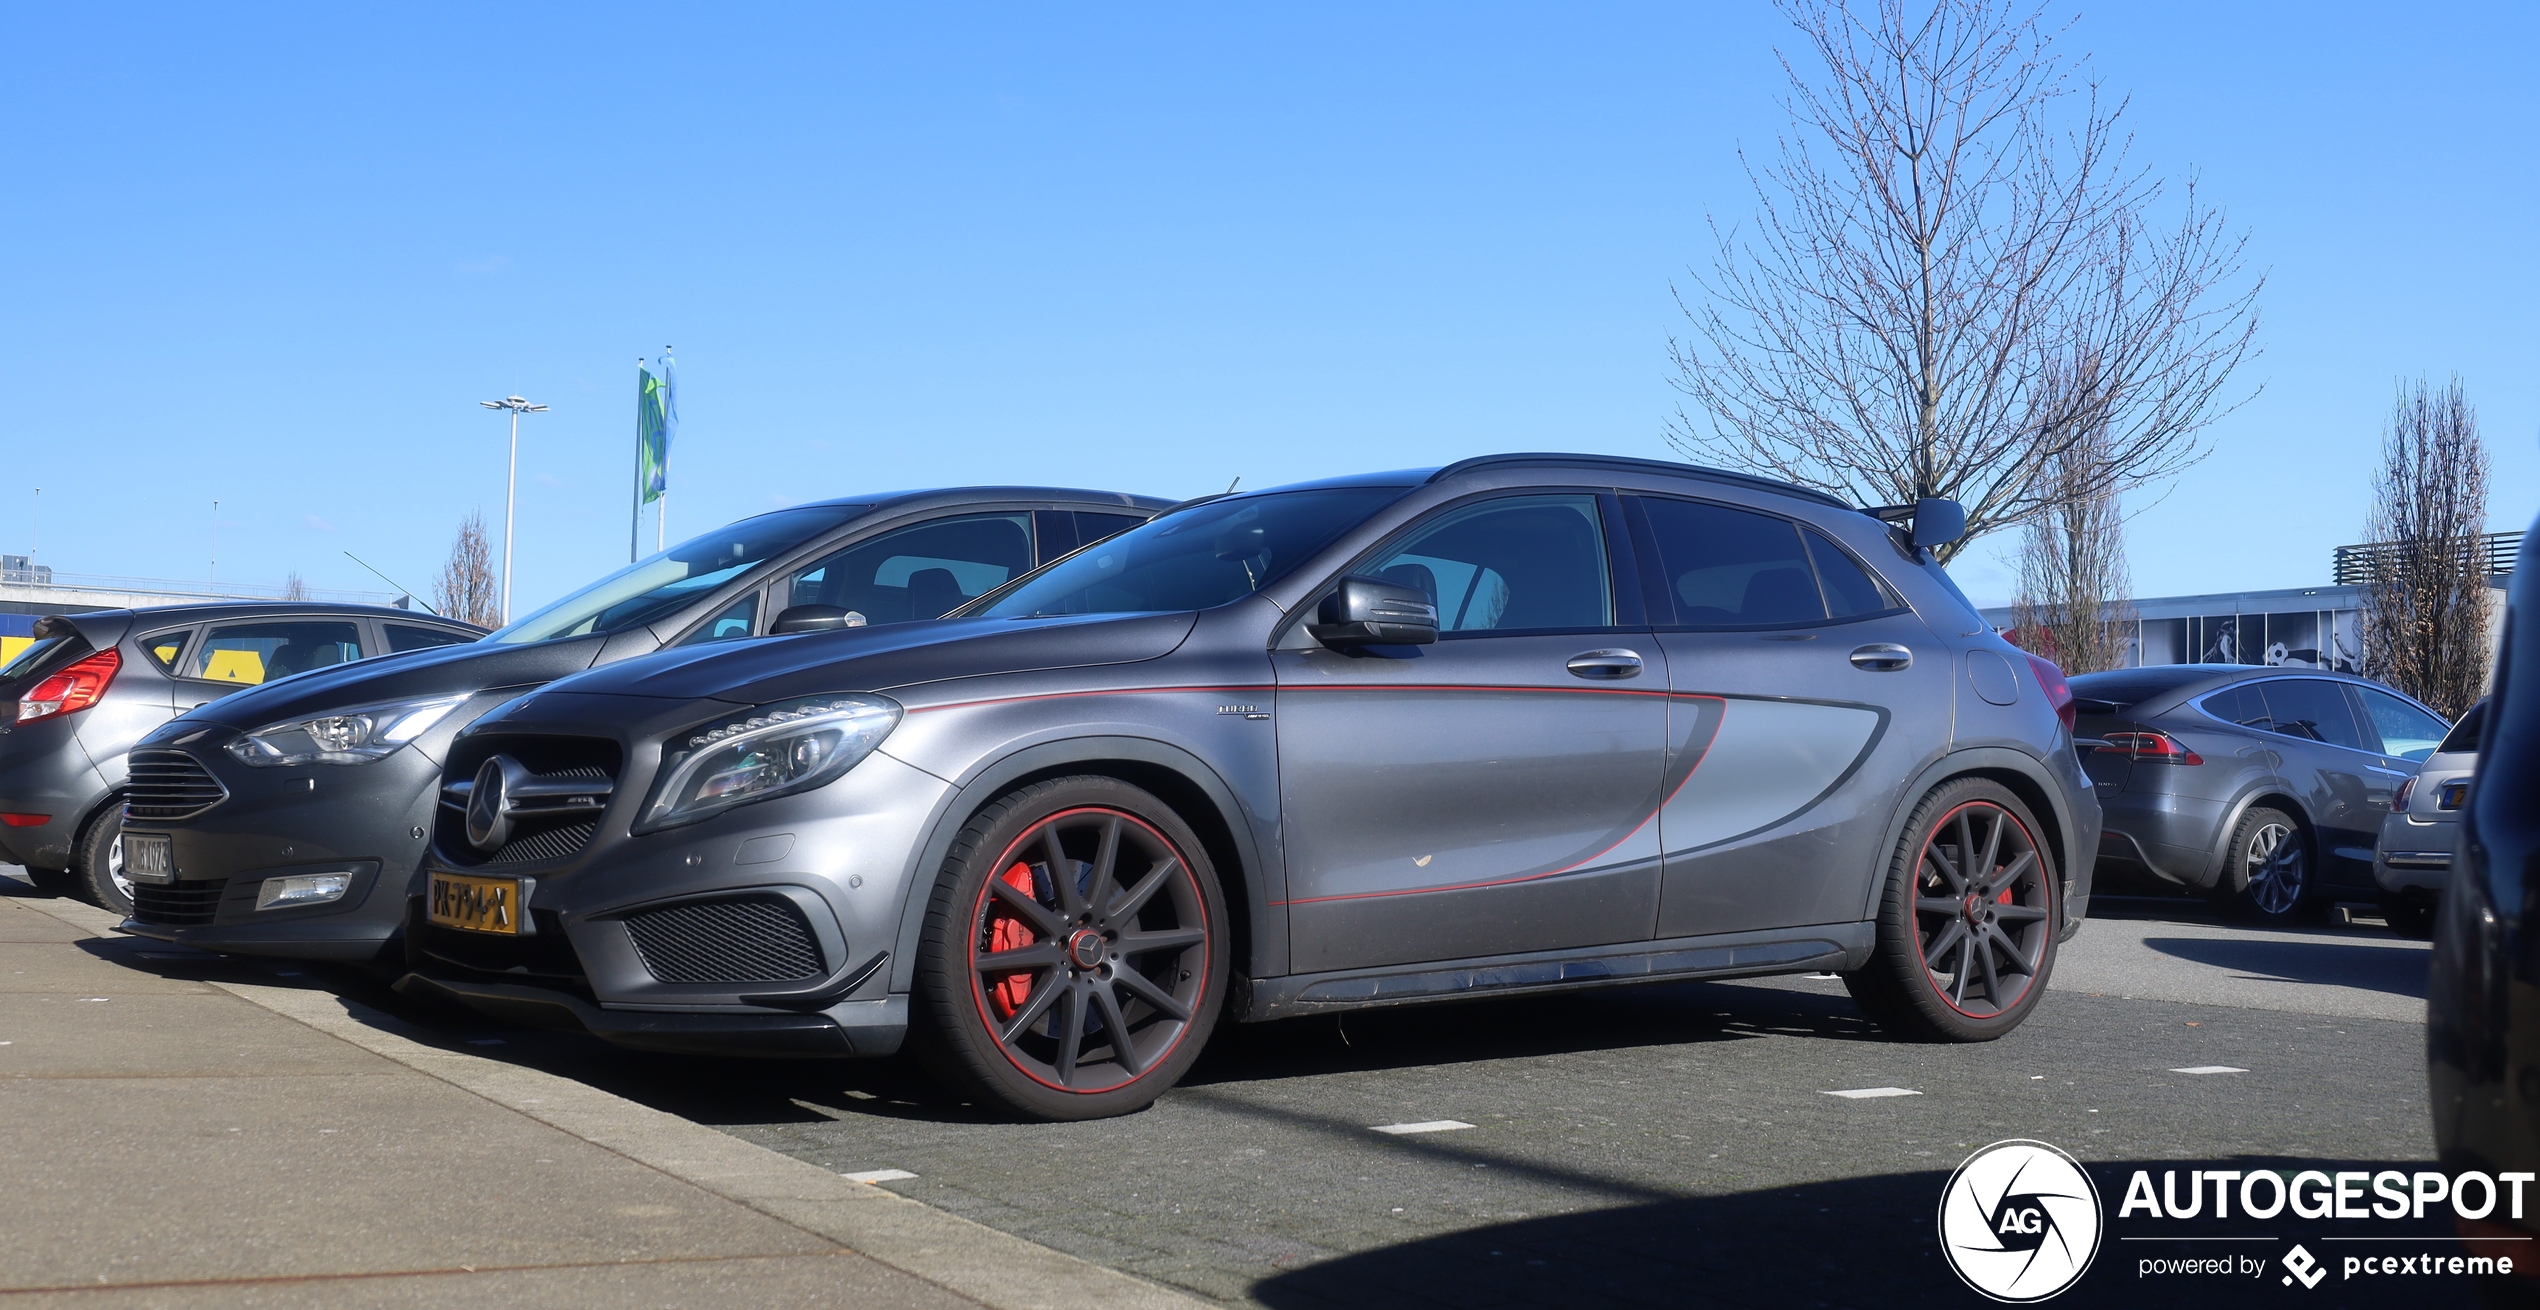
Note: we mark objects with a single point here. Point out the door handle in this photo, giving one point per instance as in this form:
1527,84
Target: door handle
1606,664
1882,657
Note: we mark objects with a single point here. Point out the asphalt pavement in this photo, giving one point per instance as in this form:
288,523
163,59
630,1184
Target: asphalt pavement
1671,1145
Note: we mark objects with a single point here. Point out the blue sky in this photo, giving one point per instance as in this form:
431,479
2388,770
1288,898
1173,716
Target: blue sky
275,256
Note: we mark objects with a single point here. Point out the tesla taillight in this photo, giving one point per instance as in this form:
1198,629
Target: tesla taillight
2152,748
2059,693
73,689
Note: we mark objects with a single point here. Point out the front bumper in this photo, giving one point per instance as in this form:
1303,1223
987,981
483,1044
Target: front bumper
767,929
369,820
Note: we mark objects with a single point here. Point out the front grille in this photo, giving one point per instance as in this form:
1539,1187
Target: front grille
177,905
759,939
169,785
552,844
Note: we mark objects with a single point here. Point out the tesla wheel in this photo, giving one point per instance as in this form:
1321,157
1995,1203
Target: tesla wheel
1074,952
1966,930
98,864
2266,873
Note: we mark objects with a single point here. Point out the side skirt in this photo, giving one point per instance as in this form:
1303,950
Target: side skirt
1833,947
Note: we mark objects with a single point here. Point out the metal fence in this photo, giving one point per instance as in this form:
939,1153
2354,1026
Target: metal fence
43,579
2498,552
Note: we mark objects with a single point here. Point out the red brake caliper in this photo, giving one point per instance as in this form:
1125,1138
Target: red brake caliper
1007,933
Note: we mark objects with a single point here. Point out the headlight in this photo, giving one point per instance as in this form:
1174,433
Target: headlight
354,736
773,750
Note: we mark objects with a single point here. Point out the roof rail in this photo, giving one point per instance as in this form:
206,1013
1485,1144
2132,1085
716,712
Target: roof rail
1672,467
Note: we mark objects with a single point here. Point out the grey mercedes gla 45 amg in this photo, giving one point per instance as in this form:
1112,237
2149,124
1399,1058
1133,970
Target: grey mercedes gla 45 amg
290,819
1518,724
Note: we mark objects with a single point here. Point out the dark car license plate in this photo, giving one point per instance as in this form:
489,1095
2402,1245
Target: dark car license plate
476,904
149,857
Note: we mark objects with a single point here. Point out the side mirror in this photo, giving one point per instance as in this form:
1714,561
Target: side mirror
1938,522
814,618
1373,612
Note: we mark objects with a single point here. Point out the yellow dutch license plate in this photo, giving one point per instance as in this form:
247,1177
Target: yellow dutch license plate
476,904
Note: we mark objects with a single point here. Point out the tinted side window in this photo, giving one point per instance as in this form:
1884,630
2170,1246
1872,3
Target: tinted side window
2406,731
410,636
1526,562
1732,568
918,572
249,653
1850,590
2464,736
1092,527
2312,709
2241,705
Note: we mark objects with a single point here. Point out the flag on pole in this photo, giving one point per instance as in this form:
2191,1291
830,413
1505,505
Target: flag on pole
656,419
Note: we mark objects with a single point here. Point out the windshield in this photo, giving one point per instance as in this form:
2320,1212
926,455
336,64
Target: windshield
1202,557
650,588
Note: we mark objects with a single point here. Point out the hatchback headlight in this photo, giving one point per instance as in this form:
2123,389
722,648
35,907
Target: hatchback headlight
354,736
773,750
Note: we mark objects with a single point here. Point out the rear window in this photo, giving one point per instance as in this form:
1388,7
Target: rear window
40,654
2119,689
2464,734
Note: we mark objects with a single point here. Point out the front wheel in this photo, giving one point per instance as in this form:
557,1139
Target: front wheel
1074,954
1966,930
98,863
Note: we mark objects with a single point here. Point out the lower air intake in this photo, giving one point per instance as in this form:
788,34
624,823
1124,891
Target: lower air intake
756,939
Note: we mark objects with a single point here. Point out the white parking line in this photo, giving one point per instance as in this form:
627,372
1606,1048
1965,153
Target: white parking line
1866,1093
2210,1068
1425,1126
878,1176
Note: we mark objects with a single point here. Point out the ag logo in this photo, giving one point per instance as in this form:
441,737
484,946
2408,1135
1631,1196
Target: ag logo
2020,1221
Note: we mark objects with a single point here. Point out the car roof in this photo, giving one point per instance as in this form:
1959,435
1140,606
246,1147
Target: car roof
102,628
925,497
2154,688
1628,463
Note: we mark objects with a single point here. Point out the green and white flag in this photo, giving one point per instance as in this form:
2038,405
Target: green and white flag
656,418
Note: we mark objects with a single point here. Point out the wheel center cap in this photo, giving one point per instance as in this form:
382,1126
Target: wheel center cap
1973,909
1086,948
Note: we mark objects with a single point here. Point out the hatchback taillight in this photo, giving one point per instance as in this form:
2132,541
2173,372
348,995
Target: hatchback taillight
2399,798
2152,747
2059,693
73,689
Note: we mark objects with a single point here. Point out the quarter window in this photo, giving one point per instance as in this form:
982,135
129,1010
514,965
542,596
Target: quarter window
1525,562
2406,731
919,572
1851,591
162,648
734,623
250,653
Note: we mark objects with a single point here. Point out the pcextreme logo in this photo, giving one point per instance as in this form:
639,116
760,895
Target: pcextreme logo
2020,1221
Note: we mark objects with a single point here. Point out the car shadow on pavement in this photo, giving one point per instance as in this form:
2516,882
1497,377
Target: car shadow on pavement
2394,967
1870,1241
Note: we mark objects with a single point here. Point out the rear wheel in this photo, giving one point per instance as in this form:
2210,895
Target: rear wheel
2266,874
1073,958
98,863
1966,931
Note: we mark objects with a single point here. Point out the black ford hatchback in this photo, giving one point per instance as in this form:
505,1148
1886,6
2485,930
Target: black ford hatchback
287,820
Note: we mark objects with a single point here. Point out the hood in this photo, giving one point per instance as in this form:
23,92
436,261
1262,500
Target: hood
887,658
441,670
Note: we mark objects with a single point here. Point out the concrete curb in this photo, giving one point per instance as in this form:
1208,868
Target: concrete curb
994,1268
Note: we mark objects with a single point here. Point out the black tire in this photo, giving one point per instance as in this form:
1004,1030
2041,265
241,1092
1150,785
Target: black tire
1964,945
2269,875
2410,914
998,1036
97,866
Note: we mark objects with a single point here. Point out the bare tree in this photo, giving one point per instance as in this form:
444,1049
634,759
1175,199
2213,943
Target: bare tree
2425,609
1947,285
2072,604
294,587
466,588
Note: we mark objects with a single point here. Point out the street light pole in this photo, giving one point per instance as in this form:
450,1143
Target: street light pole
511,486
